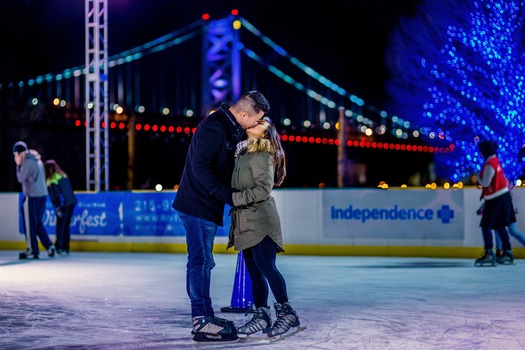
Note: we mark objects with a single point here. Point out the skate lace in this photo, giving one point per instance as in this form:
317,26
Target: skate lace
284,322
252,326
256,324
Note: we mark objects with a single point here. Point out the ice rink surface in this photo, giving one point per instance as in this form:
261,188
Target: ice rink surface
112,301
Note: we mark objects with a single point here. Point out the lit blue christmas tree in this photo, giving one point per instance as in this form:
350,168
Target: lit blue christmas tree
457,72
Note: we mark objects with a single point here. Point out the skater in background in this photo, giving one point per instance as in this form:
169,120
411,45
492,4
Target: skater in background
205,187
497,213
256,228
30,173
512,228
64,200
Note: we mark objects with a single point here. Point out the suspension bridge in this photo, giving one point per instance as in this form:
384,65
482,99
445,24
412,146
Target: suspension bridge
161,90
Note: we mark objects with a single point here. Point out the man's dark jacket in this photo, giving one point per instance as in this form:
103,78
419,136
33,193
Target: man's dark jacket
205,185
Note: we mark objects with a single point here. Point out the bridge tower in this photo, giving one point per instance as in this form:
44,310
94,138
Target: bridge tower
221,64
96,103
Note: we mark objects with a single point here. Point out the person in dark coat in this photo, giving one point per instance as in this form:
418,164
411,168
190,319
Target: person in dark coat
203,191
64,200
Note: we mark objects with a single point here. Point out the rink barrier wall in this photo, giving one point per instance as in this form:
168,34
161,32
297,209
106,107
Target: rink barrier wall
330,222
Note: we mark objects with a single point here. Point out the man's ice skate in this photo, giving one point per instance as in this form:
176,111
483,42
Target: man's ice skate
28,255
261,321
286,319
507,258
217,320
487,259
213,329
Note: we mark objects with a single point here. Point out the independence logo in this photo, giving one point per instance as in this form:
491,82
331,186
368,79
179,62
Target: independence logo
415,214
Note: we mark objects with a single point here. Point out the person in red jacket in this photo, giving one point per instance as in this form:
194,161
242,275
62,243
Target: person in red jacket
497,213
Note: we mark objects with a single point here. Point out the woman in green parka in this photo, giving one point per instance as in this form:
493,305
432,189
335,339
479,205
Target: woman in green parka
260,164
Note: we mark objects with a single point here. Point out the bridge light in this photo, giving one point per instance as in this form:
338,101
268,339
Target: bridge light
237,24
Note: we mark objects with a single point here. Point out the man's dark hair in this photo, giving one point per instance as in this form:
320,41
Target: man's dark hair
260,103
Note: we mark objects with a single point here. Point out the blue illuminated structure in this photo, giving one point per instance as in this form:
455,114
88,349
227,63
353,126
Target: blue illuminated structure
221,63
457,73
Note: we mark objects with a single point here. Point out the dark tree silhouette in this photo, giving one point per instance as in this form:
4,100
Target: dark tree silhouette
457,73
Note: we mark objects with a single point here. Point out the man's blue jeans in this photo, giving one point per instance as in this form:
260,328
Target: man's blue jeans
200,234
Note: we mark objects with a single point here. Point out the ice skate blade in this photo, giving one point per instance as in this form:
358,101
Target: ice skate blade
257,335
292,331
254,337
266,339
489,264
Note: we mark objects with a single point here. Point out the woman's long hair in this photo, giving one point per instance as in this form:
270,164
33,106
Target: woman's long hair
52,167
279,158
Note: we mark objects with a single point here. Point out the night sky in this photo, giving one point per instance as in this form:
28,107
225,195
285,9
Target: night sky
342,40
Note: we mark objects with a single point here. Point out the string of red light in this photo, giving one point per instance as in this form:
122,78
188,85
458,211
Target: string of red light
285,138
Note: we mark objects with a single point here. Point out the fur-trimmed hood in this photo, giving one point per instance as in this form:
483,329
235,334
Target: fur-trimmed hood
258,145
